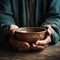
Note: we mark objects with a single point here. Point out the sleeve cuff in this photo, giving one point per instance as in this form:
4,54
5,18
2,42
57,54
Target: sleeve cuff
55,35
55,38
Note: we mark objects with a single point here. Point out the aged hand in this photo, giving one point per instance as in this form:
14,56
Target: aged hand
21,46
41,44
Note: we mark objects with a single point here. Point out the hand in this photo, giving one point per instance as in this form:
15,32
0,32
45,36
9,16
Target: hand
41,44
12,29
21,46
50,30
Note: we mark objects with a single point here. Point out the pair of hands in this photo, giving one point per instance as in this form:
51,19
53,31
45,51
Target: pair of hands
24,46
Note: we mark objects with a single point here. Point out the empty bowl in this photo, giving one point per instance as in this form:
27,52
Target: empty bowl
30,34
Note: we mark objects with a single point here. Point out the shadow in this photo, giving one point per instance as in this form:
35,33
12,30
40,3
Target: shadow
9,51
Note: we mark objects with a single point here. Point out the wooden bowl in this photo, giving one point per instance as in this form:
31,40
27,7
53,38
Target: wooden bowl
30,34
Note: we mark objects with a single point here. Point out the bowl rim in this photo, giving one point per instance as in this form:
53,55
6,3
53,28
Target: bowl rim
29,32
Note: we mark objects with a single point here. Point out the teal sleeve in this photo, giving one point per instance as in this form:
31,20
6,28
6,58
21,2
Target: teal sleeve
55,24
53,19
6,19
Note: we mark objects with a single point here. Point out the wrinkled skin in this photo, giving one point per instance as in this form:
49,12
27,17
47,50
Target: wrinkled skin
21,46
24,46
41,44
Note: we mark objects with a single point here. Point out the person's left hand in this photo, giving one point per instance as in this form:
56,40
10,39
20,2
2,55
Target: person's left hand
41,44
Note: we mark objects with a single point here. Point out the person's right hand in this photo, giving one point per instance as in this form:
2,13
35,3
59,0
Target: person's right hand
20,46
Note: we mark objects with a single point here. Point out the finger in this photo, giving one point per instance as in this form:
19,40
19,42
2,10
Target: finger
41,47
25,44
44,42
21,46
38,47
48,39
50,29
12,28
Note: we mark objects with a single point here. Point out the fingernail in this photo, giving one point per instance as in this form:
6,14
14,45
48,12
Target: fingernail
34,45
36,42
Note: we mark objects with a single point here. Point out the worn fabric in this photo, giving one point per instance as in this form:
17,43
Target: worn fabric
16,12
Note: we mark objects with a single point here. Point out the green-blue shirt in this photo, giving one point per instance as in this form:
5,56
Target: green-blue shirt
15,12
